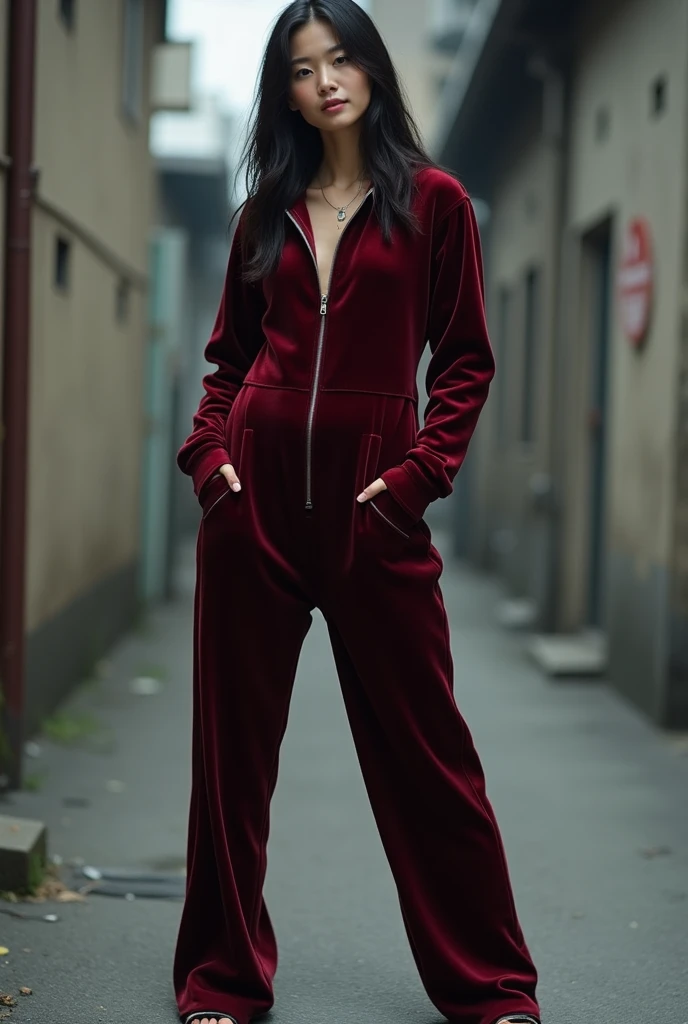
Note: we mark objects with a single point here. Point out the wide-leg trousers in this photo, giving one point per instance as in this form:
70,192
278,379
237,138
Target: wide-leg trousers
264,562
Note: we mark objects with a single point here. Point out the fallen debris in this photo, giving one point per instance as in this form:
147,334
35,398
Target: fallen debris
51,888
655,851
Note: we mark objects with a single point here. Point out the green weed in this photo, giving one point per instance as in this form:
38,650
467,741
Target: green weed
67,728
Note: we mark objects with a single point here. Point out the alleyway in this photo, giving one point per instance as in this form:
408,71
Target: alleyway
591,801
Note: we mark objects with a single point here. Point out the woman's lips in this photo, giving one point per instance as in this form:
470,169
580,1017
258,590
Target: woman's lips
335,107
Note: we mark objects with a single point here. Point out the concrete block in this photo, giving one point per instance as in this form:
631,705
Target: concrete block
583,654
23,853
516,613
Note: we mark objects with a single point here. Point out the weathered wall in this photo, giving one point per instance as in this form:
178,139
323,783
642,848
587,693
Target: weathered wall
637,168
94,162
522,238
86,425
86,428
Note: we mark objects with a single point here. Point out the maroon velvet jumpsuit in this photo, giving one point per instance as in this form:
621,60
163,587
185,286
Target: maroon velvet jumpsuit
314,396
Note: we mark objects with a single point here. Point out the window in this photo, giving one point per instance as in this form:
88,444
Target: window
530,353
658,96
122,292
132,60
63,259
603,120
67,11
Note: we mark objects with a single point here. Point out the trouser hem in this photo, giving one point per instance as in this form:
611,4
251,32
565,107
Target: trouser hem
210,1014
517,1018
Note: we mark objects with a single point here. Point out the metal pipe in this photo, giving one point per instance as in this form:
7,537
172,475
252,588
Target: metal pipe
15,383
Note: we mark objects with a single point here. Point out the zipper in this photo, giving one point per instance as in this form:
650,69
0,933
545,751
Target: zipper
319,349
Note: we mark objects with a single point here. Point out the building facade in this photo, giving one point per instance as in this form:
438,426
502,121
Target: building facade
91,215
571,124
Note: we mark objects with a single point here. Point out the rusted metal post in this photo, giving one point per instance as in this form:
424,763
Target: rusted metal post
15,383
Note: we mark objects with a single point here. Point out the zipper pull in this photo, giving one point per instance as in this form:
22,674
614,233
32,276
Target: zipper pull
323,305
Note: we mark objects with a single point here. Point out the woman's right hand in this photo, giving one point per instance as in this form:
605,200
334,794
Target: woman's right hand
227,471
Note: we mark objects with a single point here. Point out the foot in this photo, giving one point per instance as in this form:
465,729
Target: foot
211,1020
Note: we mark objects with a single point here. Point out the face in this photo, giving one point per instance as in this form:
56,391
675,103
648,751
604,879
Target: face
321,73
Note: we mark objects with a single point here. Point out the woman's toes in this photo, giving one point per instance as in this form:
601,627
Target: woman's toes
213,1020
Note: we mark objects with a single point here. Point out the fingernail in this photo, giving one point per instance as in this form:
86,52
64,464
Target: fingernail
361,497
236,486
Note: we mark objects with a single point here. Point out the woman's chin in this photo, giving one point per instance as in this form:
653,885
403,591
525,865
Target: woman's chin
338,122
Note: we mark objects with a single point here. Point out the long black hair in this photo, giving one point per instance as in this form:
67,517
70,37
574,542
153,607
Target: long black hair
283,152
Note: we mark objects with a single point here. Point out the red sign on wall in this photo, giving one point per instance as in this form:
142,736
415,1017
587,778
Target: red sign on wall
635,281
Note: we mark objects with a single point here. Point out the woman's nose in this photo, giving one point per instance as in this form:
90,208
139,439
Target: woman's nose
326,84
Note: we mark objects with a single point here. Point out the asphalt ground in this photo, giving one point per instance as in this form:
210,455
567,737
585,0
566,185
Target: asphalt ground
592,801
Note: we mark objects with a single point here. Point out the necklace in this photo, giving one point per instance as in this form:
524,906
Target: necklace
341,210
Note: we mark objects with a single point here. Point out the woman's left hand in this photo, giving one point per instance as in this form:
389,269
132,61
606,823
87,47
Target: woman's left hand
372,489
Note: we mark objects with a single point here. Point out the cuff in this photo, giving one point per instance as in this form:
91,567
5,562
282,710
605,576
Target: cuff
207,465
410,488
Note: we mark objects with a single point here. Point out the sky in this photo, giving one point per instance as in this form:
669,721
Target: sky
229,38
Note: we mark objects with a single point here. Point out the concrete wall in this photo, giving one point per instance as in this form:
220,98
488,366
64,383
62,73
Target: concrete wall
86,424
86,427
94,162
523,237
638,169
678,596
551,207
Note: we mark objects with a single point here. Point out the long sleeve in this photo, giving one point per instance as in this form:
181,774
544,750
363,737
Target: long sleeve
233,345
460,368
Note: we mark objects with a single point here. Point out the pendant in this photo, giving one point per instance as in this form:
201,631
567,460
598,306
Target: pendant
341,215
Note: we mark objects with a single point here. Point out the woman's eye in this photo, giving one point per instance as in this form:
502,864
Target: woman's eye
341,57
299,73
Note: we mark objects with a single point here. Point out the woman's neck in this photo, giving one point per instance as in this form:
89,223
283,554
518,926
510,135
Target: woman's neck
342,164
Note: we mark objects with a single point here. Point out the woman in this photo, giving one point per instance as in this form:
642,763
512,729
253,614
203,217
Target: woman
352,250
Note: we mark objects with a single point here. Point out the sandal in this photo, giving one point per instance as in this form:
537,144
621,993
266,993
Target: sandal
518,1018
200,1014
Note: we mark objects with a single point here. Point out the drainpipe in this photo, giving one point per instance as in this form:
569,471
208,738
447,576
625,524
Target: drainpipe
15,384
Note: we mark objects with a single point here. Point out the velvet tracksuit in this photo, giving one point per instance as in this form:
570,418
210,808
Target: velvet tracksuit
314,397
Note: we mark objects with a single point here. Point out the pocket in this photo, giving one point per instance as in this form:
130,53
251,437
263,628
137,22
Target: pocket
213,492
217,487
384,510
391,513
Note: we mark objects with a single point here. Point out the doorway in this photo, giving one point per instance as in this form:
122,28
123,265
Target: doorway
597,257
